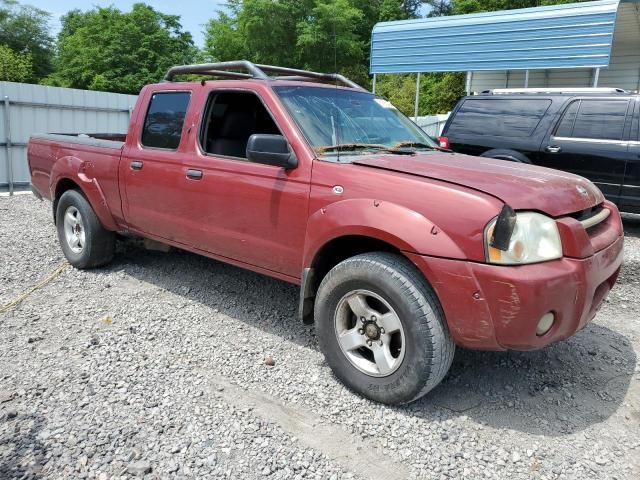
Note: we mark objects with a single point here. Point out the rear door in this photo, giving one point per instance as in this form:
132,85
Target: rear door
151,169
630,201
591,139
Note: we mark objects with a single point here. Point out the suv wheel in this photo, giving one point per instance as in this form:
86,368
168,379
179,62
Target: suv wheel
85,243
382,329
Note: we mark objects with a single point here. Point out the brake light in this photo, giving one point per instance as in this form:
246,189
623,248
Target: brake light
444,142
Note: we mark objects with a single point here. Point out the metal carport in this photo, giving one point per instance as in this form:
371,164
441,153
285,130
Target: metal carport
554,46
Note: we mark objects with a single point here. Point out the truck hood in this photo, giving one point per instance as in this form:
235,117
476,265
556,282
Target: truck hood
522,186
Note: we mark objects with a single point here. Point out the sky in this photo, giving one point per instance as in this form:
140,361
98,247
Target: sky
193,13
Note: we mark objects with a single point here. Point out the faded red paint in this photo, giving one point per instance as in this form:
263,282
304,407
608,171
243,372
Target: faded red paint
433,207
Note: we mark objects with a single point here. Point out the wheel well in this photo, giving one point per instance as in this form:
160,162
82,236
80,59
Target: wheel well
62,186
329,256
506,154
342,248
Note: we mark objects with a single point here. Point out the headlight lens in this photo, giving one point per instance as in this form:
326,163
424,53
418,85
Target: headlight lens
535,238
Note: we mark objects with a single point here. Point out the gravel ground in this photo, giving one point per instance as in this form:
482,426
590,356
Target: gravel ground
156,366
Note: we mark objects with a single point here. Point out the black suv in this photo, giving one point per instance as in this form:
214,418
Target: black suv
592,132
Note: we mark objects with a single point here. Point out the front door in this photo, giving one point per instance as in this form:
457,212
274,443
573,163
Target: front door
252,213
591,140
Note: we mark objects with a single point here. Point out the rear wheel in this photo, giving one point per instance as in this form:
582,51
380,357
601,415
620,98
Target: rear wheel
85,243
382,329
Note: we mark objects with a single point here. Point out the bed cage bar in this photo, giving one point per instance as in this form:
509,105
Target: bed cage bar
259,72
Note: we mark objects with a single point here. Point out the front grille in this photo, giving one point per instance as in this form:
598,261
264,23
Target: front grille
583,215
592,217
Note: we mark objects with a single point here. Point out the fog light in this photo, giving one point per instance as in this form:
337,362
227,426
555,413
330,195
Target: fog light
545,324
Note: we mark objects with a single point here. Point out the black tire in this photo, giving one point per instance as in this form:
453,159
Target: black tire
428,347
99,244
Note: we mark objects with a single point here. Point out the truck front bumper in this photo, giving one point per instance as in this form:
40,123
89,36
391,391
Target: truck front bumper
492,307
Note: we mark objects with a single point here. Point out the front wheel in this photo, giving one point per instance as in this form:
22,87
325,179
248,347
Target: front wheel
85,242
382,329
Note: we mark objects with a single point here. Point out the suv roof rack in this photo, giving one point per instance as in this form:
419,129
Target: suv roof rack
243,69
504,91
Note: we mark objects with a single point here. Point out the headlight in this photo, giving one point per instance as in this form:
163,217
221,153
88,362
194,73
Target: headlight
535,238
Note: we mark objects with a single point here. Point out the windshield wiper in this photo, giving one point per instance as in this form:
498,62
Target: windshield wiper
409,144
351,147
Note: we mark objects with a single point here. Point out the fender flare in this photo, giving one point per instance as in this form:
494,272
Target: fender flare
391,223
506,154
81,173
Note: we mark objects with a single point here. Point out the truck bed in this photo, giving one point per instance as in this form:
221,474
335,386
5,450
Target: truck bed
97,155
106,140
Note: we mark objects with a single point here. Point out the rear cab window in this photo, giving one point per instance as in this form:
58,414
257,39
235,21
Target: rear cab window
503,117
594,119
164,120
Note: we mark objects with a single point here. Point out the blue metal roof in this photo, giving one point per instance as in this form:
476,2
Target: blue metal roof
576,35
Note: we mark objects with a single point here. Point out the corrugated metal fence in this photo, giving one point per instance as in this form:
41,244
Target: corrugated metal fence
29,109
433,124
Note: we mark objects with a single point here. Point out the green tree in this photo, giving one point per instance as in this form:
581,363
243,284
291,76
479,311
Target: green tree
243,33
14,67
223,40
325,35
106,49
329,42
25,30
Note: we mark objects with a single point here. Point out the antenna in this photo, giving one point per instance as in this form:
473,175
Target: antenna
335,70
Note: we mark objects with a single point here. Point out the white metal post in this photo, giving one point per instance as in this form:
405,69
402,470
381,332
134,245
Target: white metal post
469,80
7,132
526,79
415,110
596,77
374,83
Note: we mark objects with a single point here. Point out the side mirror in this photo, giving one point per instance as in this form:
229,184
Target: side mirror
272,150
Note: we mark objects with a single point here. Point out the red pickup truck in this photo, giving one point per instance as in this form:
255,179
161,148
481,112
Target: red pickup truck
402,250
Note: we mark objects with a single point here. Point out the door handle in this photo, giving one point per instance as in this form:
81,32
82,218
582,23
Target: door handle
194,174
136,165
553,149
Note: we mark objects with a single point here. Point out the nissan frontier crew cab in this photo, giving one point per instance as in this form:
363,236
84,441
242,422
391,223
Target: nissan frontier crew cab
402,250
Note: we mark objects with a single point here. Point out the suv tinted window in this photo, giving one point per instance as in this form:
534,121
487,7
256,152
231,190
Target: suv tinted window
164,120
565,128
499,117
600,119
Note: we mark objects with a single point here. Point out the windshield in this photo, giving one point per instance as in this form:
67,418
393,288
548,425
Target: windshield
351,122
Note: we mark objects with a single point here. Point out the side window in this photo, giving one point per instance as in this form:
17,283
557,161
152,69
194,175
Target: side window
565,128
165,118
499,116
230,119
601,119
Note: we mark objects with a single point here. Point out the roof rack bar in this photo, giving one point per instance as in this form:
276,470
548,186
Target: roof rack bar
331,77
222,73
206,68
228,69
